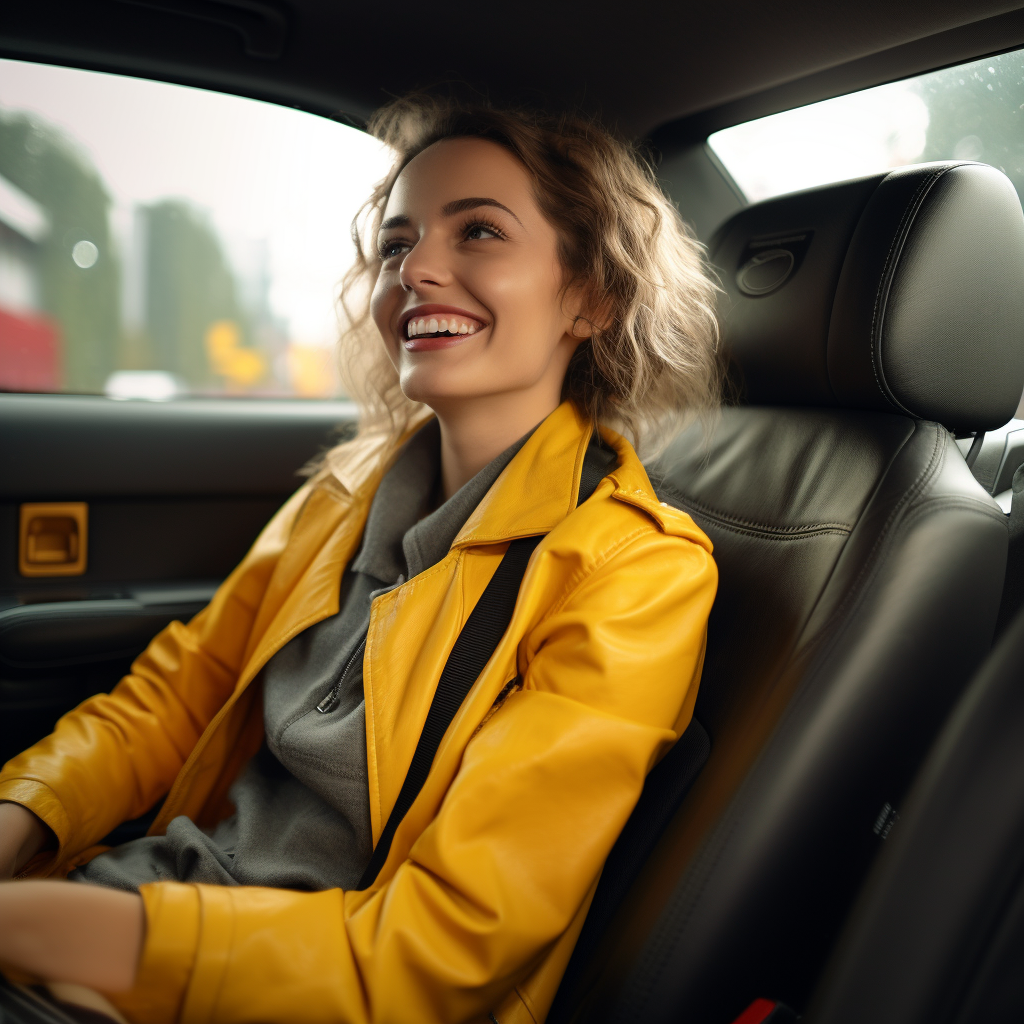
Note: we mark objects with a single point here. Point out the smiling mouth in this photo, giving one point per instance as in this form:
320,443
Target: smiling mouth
439,327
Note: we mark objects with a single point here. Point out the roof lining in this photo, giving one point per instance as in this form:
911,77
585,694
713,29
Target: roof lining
1000,34
283,93
143,38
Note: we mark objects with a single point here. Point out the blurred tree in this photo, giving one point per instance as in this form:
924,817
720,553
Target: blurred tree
976,112
189,288
83,299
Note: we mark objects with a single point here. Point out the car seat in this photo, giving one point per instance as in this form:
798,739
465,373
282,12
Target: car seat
938,934
861,566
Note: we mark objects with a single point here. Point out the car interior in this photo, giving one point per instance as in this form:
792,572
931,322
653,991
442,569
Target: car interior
839,835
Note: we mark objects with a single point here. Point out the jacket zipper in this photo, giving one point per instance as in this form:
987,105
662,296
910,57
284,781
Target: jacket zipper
331,701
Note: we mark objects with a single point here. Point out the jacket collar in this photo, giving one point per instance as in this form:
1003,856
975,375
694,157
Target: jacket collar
538,488
535,491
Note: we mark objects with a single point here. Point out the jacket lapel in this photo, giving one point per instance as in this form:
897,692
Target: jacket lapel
538,488
414,627
306,583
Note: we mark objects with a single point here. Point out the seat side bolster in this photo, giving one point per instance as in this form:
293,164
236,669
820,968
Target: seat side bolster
848,720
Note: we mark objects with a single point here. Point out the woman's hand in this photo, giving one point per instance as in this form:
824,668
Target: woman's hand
22,835
72,932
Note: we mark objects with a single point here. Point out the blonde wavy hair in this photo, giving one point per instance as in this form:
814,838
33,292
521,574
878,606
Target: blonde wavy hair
651,364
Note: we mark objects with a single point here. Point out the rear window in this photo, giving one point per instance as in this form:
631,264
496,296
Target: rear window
971,112
159,241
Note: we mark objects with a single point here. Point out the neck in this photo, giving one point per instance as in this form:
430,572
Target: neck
475,432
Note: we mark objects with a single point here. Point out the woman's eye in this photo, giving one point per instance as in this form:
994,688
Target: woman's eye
476,231
391,248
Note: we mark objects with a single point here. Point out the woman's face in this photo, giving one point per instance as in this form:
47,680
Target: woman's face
469,299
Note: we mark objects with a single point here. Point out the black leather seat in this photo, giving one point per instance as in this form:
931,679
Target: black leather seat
938,934
861,569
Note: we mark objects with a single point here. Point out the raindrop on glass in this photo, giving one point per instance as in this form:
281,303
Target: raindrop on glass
85,254
970,147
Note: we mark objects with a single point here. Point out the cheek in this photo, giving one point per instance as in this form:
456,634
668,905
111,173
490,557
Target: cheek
382,308
380,302
523,294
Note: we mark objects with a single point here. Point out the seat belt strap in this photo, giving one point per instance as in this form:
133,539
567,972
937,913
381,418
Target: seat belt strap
476,643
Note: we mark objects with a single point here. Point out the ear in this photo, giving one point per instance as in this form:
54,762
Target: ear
588,313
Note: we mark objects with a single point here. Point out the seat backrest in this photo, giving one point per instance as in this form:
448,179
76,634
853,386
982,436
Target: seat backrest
860,572
937,935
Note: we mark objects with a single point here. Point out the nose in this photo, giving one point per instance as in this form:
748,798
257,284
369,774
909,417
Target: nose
425,264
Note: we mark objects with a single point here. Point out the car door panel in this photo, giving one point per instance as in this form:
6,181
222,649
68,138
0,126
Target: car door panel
176,492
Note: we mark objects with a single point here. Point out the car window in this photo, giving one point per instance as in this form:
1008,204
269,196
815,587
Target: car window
971,112
158,241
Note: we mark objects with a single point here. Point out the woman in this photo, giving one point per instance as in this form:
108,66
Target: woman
529,281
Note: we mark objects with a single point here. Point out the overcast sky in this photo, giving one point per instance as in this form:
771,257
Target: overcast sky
262,171
862,133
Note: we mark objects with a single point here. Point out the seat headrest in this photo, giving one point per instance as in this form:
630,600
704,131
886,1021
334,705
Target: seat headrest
901,292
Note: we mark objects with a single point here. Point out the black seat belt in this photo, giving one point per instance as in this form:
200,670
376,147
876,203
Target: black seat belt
476,643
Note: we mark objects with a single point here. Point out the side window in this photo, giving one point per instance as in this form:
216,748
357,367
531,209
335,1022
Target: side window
971,112
158,241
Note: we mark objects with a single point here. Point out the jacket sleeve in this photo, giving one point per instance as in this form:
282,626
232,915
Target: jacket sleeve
130,744
543,790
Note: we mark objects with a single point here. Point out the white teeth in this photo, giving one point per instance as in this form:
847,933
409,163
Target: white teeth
433,326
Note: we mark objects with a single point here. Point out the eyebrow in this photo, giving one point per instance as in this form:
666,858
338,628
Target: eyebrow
461,205
450,209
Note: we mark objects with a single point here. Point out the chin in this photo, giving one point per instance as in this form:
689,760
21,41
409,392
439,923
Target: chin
438,388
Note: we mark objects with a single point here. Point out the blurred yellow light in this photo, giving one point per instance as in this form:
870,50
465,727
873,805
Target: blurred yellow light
242,367
311,371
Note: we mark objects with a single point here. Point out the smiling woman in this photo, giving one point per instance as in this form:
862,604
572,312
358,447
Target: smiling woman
615,255
397,747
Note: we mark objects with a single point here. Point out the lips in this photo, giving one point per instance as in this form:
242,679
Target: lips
435,326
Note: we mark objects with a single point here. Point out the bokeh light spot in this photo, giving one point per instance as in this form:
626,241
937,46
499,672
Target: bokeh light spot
85,254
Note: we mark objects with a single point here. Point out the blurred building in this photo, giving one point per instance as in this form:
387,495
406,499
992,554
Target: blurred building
195,307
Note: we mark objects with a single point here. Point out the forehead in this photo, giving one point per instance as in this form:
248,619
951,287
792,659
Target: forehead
457,168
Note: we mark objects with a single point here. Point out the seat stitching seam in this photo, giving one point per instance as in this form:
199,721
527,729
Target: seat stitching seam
726,519
888,273
822,640
869,565
953,502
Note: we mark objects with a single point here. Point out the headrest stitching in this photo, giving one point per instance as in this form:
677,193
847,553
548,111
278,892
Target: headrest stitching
889,272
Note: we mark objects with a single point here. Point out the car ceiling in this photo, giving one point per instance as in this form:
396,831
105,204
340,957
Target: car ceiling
640,66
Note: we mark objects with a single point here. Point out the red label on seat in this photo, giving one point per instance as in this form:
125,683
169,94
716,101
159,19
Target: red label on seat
757,1012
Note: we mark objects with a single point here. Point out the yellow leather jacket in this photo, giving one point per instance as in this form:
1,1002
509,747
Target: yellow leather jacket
491,872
